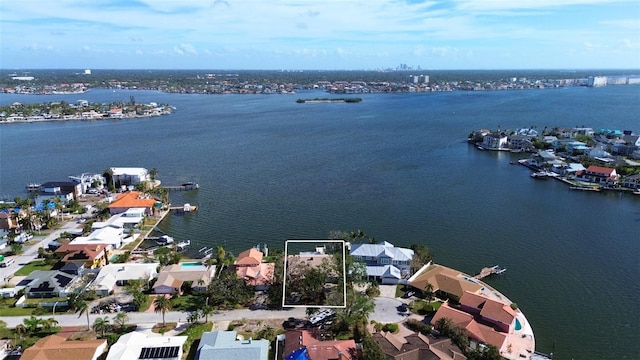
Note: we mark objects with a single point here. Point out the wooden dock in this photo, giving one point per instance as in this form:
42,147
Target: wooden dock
493,270
184,187
184,208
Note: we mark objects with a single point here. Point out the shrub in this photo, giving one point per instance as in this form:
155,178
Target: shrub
231,327
390,328
514,306
419,326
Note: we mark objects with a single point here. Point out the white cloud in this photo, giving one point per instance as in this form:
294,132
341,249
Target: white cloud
359,30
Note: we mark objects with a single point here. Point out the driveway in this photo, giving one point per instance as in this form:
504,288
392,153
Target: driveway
386,310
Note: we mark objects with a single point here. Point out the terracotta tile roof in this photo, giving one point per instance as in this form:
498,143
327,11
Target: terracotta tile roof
256,275
132,199
458,317
55,347
75,251
445,279
600,169
317,349
475,329
251,257
489,308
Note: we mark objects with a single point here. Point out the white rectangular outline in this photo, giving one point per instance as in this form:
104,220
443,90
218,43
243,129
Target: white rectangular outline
344,274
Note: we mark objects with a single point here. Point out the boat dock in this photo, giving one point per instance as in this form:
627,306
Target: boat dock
184,187
493,270
184,208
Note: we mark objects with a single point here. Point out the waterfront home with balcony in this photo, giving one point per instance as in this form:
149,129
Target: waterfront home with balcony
495,141
598,175
385,262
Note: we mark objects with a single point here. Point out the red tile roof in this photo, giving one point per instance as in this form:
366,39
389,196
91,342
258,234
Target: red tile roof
132,199
600,170
251,257
56,347
317,349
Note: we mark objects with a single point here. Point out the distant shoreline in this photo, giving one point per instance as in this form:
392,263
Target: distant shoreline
329,100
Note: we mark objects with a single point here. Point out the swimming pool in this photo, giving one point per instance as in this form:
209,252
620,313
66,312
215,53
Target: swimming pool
518,325
191,264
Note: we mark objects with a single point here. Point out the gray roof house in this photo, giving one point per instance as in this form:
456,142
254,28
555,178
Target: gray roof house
223,345
384,261
47,283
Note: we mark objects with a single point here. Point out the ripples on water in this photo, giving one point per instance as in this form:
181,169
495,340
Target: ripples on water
396,166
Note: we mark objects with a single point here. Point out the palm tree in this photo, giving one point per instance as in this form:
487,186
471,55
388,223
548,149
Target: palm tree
120,320
32,323
161,305
428,292
205,311
48,324
20,330
220,254
101,324
82,307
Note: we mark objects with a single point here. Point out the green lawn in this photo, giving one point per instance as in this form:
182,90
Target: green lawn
33,266
16,311
194,334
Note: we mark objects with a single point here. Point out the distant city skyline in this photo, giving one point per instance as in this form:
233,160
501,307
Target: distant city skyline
314,35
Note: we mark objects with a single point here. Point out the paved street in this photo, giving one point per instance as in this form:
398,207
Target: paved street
173,316
30,252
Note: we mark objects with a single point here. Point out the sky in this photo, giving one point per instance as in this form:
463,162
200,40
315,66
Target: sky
319,35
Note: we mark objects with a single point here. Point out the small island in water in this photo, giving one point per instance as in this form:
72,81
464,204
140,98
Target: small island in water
329,100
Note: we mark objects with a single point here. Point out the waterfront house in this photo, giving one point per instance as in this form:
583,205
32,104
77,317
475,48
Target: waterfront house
598,175
132,200
520,142
102,233
385,262
47,284
310,343
129,175
417,346
495,141
171,278
478,332
90,256
631,182
487,310
136,345
88,180
250,267
541,158
8,220
225,345
120,274
445,282
56,347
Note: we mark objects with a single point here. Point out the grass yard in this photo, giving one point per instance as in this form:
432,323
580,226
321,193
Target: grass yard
194,334
33,266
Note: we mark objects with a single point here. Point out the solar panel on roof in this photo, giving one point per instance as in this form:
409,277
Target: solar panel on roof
164,352
62,280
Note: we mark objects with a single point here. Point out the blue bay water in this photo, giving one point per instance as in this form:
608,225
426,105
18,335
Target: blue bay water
395,165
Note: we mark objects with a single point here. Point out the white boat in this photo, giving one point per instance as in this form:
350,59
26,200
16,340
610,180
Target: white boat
182,245
164,240
539,175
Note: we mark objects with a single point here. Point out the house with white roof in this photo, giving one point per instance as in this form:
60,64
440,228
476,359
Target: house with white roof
385,262
136,345
129,175
120,274
104,234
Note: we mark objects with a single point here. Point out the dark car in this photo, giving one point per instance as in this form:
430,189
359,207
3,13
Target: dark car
403,308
